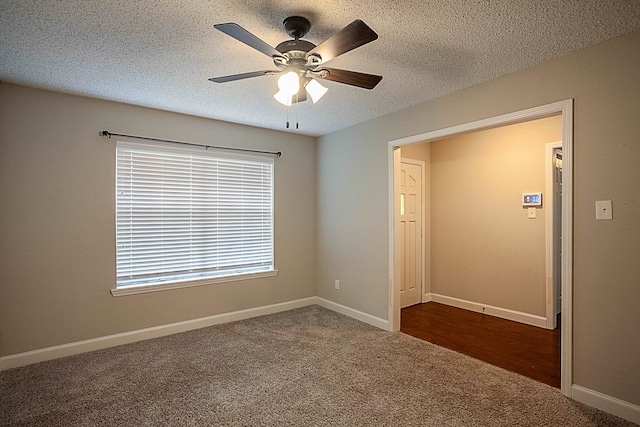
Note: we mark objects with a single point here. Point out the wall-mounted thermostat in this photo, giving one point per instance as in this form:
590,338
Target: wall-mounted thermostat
531,199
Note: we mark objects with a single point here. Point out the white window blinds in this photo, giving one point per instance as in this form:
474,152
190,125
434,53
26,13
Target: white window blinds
184,215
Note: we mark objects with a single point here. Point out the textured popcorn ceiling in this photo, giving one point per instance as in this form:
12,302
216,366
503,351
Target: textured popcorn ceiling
160,53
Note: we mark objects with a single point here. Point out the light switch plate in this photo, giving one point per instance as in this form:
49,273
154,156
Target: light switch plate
531,213
603,209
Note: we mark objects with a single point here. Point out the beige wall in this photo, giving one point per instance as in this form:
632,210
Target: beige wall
483,247
353,199
57,249
420,152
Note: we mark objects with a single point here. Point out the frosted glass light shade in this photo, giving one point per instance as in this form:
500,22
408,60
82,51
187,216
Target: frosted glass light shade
315,90
289,83
283,98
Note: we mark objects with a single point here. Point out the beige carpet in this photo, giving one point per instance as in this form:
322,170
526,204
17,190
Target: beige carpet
307,367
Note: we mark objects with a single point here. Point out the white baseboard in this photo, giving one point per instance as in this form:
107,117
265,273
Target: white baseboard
612,405
57,351
503,313
428,297
358,315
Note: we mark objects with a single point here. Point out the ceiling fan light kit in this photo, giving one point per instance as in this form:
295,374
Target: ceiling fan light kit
300,63
289,86
290,89
315,90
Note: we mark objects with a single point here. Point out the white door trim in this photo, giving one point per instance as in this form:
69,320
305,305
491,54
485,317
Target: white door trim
550,203
564,108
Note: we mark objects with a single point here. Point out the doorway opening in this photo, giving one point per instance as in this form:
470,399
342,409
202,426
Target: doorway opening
563,108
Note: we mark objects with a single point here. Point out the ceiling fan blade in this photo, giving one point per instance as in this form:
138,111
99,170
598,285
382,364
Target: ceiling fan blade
350,37
234,77
239,33
353,78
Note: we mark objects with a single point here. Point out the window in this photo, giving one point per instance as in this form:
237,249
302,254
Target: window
184,215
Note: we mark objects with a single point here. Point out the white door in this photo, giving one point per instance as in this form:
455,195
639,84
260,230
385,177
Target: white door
410,233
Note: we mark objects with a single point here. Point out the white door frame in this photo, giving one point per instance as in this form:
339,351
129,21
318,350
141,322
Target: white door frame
550,206
564,108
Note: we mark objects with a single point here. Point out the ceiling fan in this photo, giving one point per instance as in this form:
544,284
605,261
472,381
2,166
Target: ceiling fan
300,63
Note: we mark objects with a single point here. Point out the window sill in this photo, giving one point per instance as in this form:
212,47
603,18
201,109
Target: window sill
133,290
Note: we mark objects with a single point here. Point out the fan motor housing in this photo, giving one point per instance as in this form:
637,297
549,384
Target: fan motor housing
295,50
290,46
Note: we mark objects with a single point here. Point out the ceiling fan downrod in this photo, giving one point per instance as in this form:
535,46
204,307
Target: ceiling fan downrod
296,26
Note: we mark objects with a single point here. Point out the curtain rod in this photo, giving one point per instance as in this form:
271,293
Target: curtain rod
206,147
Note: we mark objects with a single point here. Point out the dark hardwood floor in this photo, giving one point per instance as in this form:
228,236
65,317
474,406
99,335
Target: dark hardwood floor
528,350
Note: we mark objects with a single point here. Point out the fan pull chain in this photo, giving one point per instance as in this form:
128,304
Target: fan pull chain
297,107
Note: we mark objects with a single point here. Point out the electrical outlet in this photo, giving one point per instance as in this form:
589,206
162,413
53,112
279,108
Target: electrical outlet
336,284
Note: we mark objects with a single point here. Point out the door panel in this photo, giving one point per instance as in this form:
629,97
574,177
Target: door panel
411,234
